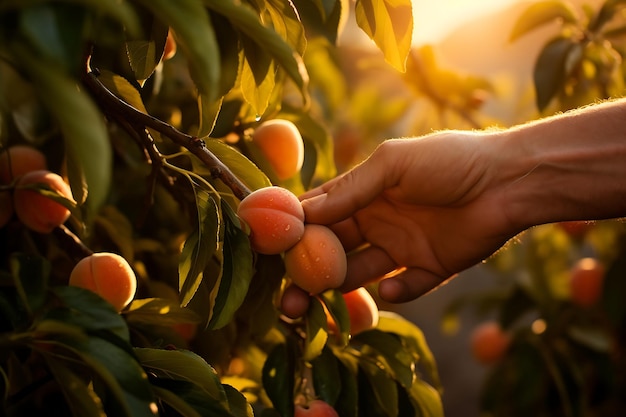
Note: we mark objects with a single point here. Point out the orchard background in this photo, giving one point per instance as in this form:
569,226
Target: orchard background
148,110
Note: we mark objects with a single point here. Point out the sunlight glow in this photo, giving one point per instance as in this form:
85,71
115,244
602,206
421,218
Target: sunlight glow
434,20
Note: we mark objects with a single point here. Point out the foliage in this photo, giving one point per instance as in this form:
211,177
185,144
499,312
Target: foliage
156,153
584,61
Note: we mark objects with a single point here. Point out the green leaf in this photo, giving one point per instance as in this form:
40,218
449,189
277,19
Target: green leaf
541,13
82,125
426,399
327,376
552,68
89,311
145,52
248,23
158,311
237,270
241,166
122,88
174,401
389,23
377,388
183,365
278,378
200,246
326,17
81,399
119,11
30,276
316,330
239,406
347,404
195,37
257,76
338,310
128,392
389,352
415,340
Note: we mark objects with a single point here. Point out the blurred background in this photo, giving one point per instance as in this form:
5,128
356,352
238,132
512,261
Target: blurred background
465,72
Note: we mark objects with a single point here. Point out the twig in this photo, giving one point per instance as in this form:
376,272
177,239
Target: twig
110,103
71,242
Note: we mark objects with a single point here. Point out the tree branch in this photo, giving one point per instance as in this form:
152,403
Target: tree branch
110,103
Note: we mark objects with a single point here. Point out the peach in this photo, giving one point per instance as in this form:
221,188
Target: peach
107,274
586,282
18,160
316,408
275,218
362,311
6,207
281,144
295,302
36,211
170,46
318,261
489,342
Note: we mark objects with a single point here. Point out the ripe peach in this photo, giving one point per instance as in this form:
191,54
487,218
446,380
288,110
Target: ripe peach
586,280
36,211
489,342
316,408
576,229
295,302
108,275
18,160
281,144
275,218
362,310
318,261
6,207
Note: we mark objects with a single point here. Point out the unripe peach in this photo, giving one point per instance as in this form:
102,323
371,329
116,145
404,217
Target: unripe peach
295,302
586,282
281,144
489,342
107,274
36,211
318,261
18,160
6,207
316,408
275,218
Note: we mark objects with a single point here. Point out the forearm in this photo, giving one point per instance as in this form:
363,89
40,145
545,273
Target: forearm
568,167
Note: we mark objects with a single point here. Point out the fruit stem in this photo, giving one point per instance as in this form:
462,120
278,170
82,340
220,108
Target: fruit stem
110,103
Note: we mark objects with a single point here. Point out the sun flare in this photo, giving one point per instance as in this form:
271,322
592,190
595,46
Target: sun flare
433,20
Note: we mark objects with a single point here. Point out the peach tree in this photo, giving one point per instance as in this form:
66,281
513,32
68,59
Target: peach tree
147,109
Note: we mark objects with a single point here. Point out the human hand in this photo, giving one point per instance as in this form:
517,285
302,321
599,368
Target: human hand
416,212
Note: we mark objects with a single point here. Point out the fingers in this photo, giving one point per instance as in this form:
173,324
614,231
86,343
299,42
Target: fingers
365,266
343,196
409,285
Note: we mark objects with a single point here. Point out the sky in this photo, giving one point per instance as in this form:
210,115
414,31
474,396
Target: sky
433,19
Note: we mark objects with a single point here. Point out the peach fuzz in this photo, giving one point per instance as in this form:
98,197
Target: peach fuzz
281,144
107,274
275,218
318,261
18,160
36,211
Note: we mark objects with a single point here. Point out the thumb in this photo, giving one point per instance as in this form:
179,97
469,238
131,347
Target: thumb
341,197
